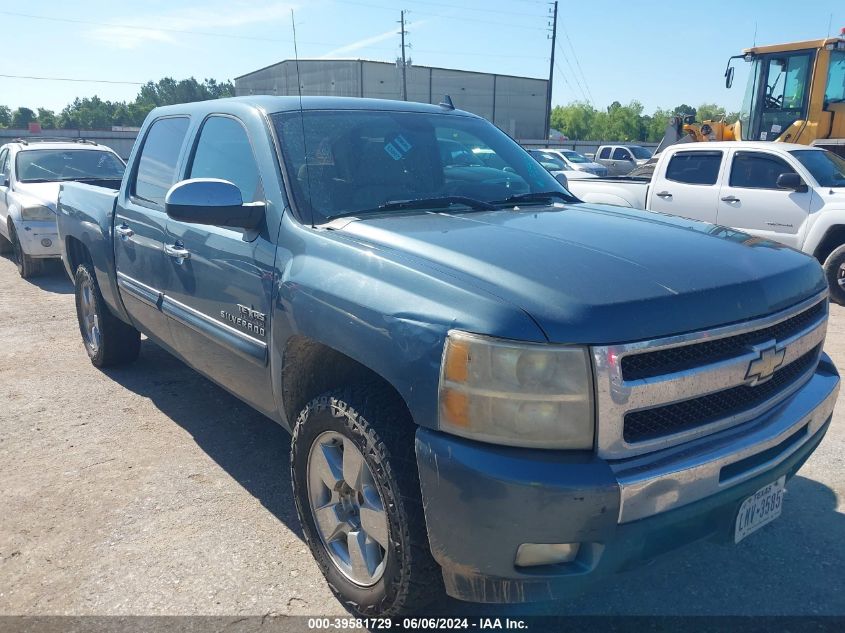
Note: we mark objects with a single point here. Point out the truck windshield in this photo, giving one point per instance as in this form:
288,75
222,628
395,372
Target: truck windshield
342,162
826,167
640,153
575,157
52,165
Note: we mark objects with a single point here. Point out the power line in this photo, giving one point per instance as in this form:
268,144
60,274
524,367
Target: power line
577,63
574,75
463,8
93,81
443,15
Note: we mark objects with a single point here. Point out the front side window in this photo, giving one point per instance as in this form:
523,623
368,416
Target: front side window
826,167
159,158
4,164
694,168
52,165
755,170
224,152
620,153
835,89
349,162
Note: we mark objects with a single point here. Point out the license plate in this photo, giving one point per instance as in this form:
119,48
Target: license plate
760,509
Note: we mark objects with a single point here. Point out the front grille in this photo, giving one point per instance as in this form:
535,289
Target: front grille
650,424
673,359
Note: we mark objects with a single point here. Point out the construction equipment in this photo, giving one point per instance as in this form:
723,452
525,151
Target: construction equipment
795,93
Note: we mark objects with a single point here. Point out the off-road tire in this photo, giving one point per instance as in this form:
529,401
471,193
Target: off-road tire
378,423
119,342
832,266
27,266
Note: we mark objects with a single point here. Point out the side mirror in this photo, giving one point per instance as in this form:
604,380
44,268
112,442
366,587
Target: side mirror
212,201
791,181
561,178
729,77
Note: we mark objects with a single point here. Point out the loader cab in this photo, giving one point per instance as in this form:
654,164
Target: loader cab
777,94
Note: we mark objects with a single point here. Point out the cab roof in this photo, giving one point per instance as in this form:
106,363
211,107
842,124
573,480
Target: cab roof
274,104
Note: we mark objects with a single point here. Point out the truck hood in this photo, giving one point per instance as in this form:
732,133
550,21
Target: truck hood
44,193
596,275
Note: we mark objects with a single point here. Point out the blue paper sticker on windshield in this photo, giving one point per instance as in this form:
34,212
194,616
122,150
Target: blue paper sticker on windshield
398,147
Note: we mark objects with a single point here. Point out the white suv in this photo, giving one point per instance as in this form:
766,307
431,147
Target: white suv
31,172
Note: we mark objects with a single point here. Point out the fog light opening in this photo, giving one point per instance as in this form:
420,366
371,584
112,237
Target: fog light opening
46,242
533,554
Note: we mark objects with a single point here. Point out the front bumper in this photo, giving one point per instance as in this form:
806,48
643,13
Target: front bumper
482,501
34,238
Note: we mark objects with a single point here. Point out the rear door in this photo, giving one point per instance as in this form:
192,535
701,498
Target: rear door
688,186
219,296
750,199
140,223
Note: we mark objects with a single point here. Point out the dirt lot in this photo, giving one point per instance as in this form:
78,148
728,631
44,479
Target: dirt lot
148,490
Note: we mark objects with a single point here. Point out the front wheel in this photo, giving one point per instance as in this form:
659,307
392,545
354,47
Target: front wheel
358,497
834,271
27,266
108,340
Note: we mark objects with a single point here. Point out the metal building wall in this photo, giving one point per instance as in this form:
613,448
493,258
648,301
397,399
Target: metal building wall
515,104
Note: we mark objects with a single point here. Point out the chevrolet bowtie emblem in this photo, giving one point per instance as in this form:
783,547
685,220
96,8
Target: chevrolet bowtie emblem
762,368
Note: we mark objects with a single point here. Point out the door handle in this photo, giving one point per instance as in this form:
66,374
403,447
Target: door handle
730,199
124,232
177,252
663,194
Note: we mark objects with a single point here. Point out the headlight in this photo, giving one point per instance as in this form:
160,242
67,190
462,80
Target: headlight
519,394
37,213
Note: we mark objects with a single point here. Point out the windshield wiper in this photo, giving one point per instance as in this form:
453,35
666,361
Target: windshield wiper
538,196
441,202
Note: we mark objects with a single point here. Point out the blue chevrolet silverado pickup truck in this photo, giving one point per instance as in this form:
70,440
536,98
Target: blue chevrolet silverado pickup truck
493,388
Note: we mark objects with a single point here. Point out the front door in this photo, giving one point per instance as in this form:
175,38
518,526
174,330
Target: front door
751,201
688,187
221,279
140,223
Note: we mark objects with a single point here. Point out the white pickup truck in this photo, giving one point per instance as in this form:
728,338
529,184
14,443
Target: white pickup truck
793,194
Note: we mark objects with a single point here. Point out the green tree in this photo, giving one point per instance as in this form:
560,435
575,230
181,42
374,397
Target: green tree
22,117
574,119
47,119
5,116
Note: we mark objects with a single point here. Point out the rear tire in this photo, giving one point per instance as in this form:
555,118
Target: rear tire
5,246
27,266
108,340
371,424
834,271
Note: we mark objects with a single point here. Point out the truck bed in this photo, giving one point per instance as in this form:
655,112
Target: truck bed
619,190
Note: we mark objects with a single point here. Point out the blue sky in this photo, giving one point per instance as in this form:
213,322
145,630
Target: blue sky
650,50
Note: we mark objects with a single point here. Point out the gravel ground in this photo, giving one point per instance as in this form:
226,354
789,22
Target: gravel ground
148,490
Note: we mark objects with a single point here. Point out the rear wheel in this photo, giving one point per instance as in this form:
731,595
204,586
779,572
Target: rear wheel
5,246
27,266
358,497
108,340
834,270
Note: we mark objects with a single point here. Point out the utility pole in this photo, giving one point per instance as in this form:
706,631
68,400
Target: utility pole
553,26
403,32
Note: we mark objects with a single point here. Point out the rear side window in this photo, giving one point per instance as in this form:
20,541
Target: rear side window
620,153
754,170
159,158
605,152
694,168
224,152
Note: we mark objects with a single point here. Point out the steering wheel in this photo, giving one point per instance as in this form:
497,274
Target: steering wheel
774,102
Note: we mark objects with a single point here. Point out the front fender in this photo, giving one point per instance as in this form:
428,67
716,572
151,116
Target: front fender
387,311
825,220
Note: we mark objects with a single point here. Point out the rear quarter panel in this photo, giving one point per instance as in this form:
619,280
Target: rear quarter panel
85,213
